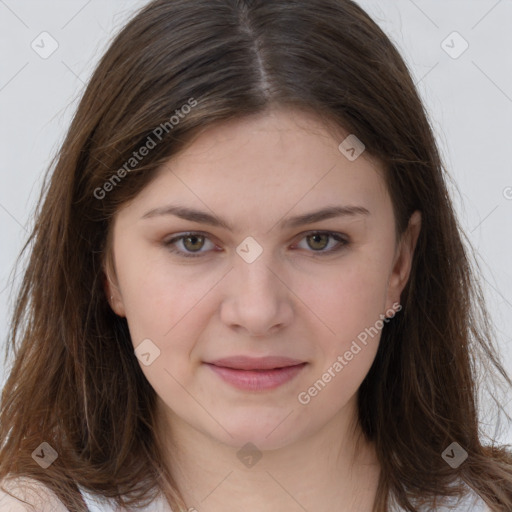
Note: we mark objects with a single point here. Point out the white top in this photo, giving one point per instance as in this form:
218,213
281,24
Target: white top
471,502
47,501
100,504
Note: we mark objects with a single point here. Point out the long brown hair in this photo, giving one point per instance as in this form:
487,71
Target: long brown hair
176,68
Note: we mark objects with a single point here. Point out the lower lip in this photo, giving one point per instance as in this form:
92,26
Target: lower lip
254,380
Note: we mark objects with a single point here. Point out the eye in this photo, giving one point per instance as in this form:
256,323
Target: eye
193,242
319,240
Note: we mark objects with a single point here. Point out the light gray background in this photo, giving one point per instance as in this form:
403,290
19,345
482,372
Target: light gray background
469,99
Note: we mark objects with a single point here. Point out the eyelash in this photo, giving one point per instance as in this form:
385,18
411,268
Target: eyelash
169,244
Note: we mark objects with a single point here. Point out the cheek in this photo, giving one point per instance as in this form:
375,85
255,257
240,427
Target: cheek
164,309
157,294
350,304
347,298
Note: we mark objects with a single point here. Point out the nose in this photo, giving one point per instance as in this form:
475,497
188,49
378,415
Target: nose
257,298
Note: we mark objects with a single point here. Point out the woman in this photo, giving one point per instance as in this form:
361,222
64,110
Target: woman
182,341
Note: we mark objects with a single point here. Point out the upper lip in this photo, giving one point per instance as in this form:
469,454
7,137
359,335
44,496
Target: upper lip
256,363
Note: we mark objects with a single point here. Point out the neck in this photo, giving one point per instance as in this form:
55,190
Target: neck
335,468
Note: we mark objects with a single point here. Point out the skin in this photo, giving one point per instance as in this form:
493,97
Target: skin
291,301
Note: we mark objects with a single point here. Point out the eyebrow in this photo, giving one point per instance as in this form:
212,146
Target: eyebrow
203,217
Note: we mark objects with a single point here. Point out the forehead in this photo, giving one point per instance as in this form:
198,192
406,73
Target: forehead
267,165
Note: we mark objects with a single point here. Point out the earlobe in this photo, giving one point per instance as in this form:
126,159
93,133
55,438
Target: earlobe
403,260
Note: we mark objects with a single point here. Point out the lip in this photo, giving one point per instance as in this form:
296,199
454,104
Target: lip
255,363
256,374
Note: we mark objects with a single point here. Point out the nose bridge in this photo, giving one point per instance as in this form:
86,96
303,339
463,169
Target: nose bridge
256,298
257,276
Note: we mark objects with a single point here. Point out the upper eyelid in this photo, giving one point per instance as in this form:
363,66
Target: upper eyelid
210,237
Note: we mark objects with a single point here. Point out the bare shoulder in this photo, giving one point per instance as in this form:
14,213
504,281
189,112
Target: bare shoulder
37,497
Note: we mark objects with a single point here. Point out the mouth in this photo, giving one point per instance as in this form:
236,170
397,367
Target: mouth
256,374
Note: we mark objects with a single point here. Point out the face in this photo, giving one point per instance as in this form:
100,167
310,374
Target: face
259,282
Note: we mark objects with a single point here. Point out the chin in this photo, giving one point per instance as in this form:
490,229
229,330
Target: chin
265,434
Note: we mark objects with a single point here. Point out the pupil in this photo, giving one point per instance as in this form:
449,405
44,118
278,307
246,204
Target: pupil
192,238
316,238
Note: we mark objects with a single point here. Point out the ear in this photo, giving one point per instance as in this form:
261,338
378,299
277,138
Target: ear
403,260
111,287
